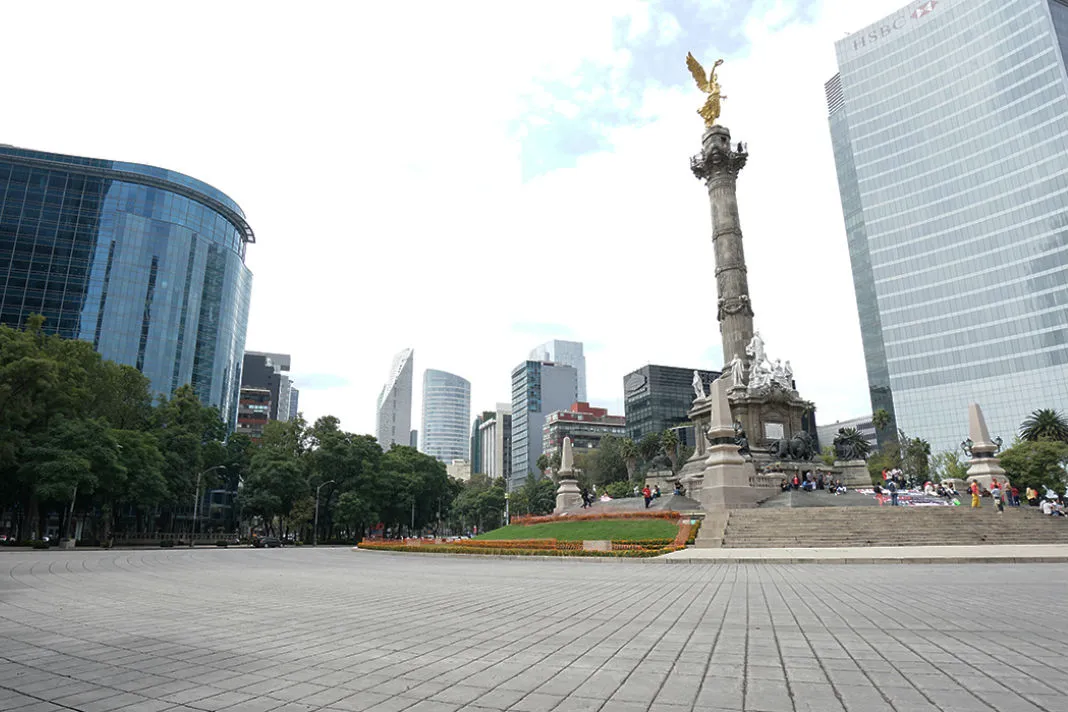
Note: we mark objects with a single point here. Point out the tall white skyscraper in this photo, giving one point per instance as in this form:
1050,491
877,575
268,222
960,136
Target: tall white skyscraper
394,417
566,353
446,416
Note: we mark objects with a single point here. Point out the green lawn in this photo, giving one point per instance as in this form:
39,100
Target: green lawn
591,529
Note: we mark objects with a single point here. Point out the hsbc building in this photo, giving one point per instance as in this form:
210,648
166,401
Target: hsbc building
949,124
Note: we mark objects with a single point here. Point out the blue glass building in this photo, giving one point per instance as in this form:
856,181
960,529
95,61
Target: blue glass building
949,121
446,414
146,264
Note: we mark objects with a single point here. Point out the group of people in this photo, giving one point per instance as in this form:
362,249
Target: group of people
810,483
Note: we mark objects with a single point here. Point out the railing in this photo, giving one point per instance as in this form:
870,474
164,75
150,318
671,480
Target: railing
154,539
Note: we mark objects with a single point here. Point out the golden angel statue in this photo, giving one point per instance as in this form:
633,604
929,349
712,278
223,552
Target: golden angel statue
710,111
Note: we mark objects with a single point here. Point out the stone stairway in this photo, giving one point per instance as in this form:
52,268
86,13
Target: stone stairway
885,526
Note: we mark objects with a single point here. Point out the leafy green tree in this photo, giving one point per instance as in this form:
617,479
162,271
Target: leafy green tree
72,460
353,513
1044,424
948,465
828,455
542,463
1036,463
916,459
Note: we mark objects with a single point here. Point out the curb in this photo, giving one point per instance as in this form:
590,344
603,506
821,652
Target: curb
662,560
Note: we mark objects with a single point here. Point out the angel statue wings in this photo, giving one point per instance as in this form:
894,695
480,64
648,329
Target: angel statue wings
710,111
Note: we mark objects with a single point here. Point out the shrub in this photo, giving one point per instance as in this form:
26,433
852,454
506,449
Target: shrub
40,545
166,544
223,543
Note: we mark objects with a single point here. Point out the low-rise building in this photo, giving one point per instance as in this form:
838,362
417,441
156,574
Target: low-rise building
584,424
459,470
863,424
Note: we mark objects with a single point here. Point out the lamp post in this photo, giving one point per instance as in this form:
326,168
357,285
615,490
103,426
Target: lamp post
315,532
507,497
196,502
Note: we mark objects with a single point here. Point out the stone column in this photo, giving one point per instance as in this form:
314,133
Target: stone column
718,165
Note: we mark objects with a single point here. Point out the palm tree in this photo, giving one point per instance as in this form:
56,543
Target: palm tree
880,419
669,440
1044,424
629,451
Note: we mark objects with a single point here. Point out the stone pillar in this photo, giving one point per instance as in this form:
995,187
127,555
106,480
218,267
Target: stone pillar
718,165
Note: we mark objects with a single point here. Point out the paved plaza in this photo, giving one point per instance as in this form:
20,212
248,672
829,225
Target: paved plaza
296,630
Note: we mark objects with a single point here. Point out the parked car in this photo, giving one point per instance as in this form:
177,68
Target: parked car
270,542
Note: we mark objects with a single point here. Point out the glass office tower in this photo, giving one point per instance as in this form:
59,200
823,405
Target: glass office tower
949,122
446,416
146,264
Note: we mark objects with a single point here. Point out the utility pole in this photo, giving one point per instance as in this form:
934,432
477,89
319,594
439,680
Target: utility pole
315,531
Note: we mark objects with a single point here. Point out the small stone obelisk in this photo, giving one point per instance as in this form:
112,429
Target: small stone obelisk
724,482
718,166
568,493
984,462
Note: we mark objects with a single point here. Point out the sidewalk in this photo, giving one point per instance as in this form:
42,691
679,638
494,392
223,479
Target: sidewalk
1008,554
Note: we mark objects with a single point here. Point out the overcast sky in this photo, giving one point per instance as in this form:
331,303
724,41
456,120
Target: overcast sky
471,179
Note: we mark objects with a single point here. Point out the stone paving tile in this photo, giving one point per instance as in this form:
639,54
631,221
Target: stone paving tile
175,632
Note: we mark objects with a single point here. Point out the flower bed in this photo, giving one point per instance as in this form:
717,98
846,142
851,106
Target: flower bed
465,547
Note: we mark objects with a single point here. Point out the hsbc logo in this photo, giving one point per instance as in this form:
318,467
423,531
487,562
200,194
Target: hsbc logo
924,9
884,31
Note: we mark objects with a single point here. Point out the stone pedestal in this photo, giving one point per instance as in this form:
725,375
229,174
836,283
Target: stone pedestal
568,496
854,473
67,543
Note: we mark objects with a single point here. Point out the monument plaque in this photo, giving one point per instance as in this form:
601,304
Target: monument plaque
774,431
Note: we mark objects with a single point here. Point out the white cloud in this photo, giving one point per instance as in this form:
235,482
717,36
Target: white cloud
376,153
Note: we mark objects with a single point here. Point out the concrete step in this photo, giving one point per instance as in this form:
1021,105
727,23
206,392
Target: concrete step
889,526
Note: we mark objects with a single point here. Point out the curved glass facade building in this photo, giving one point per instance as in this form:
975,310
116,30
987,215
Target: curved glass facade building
146,264
949,121
393,415
446,415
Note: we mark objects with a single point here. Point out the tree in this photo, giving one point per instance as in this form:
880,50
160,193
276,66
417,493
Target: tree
669,441
1044,424
542,463
881,419
607,463
649,447
353,512
916,459
1039,464
948,465
828,455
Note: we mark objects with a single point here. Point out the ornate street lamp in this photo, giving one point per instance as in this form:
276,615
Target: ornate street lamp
966,446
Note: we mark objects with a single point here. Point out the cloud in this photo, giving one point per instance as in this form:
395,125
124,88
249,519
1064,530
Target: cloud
446,176
318,381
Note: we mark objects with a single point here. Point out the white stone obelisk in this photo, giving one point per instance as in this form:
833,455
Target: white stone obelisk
568,493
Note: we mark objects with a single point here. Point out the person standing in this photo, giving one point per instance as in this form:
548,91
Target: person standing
647,493
975,495
892,486
995,495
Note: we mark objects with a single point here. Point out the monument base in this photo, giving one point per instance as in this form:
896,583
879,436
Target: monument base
568,496
854,473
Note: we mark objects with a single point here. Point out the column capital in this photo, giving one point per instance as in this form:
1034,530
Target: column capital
718,157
